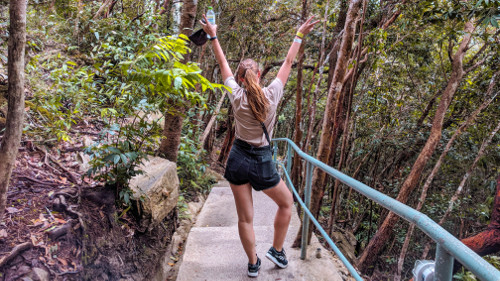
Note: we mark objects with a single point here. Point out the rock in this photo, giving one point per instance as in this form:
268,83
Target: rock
87,141
194,208
214,174
159,188
346,242
39,274
83,161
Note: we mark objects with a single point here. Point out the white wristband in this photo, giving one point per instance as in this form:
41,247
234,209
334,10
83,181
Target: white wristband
297,40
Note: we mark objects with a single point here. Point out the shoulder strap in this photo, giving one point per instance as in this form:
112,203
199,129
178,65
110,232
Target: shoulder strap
265,132
267,137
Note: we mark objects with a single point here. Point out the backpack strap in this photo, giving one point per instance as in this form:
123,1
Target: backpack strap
267,136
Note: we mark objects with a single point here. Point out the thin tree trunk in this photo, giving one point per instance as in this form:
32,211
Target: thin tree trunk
15,114
111,7
383,234
77,21
165,7
337,33
488,241
335,90
102,8
212,120
173,121
460,187
298,105
434,171
335,199
321,64
228,141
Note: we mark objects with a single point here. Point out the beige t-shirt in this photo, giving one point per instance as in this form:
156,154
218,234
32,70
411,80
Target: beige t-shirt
247,127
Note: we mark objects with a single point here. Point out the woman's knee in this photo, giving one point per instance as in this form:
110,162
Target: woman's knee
286,204
245,219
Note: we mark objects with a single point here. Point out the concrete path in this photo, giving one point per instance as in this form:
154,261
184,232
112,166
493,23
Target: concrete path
214,252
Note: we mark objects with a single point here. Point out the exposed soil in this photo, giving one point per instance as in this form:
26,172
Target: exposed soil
69,227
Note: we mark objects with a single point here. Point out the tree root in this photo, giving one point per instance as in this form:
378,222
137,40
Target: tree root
15,251
59,231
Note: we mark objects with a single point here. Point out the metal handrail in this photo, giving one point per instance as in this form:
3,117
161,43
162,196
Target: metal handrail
448,247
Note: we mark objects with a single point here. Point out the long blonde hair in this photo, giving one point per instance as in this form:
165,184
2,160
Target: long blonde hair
248,73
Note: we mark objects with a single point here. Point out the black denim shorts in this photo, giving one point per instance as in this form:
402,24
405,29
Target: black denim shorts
250,164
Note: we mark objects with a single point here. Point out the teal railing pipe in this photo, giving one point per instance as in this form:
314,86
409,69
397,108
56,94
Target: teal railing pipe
308,215
448,247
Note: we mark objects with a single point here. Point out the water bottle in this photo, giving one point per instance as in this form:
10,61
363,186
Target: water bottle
210,17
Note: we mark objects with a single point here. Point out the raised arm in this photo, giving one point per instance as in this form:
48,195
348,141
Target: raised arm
219,54
304,29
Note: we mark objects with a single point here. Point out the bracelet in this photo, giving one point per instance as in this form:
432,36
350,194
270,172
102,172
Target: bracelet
297,40
300,34
213,38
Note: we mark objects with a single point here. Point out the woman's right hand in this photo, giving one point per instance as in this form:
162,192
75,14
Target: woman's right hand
209,28
306,27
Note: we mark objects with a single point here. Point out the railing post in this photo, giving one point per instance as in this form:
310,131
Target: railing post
444,265
305,222
289,161
274,147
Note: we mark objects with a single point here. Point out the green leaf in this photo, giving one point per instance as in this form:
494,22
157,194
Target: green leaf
116,158
126,198
177,82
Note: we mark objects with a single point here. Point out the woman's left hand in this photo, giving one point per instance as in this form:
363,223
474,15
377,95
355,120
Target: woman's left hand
306,27
209,28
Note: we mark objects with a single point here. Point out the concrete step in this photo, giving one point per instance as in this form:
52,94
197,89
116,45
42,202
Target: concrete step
214,252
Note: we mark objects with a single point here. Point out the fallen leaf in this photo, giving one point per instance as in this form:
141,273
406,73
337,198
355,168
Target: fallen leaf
63,261
3,233
171,263
60,221
12,210
63,179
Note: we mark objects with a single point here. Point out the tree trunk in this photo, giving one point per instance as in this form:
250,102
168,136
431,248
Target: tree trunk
460,187
335,40
212,119
15,114
383,234
488,241
228,141
173,120
320,68
354,81
102,8
434,171
165,7
334,93
296,166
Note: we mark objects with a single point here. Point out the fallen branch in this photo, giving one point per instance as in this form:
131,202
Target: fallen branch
38,181
72,178
16,251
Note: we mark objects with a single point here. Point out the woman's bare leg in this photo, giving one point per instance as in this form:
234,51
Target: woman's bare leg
244,206
283,197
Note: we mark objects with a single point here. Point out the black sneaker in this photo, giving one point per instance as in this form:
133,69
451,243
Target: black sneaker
279,258
253,269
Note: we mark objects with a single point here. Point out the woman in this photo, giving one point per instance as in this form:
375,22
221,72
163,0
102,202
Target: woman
250,160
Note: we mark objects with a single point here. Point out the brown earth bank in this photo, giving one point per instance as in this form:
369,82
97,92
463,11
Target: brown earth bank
62,226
